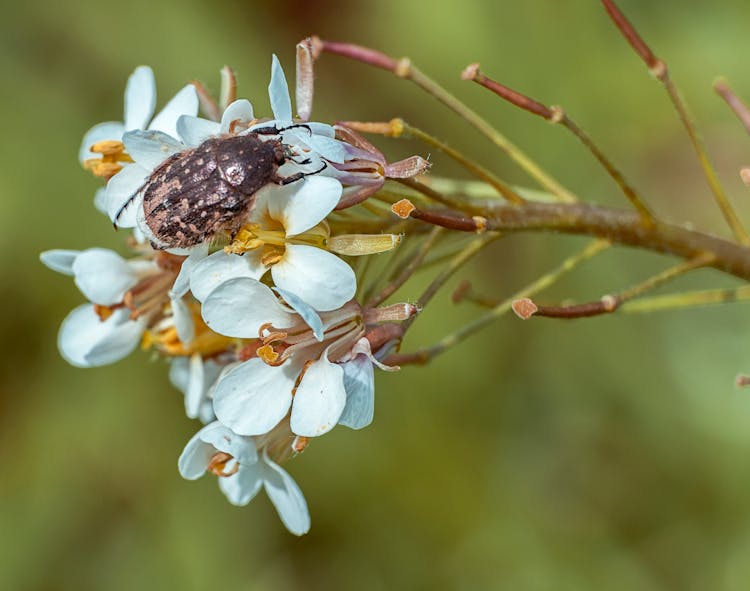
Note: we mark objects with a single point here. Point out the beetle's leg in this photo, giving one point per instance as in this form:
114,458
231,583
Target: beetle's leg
293,178
273,130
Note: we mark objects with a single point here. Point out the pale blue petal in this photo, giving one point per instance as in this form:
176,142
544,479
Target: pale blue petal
197,454
287,497
193,131
316,276
184,102
59,260
278,93
359,383
308,313
140,98
150,148
241,488
319,400
253,397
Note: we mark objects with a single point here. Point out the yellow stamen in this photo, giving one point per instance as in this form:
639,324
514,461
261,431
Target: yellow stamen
113,155
267,354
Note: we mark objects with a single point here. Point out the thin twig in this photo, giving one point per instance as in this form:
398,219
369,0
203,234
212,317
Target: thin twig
557,115
403,68
611,303
423,356
659,70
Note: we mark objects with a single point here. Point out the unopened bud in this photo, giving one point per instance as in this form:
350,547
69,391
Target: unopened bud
524,308
403,208
363,244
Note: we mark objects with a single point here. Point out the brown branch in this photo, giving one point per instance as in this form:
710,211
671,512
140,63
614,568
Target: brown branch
617,225
735,103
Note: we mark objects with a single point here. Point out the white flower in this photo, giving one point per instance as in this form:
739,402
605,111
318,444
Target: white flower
296,366
125,297
243,472
140,101
87,339
279,235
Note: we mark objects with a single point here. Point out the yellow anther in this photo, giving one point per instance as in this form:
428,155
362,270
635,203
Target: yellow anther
113,155
267,354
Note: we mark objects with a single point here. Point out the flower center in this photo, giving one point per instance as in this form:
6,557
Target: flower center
113,154
274,240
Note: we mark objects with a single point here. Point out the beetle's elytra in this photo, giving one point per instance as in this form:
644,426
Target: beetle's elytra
196,193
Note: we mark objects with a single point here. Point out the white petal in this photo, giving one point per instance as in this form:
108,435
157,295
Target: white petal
183,321
109,130
329,148
59,260
320,399
193,131
307,313
241,488
150,148
320,278
240,110
184,102
253,397
100,200
179,373
359,383
300,206
240,306
287,497
182,282
227,441
220,267
103,276
278,93
85,341
321,129
140,98
121,192
197,454
195,386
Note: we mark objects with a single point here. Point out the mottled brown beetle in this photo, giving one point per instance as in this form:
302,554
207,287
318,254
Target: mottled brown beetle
197,193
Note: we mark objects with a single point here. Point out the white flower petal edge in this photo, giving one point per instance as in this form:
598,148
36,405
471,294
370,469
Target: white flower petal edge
318,277
140,98
287,497
103,276
150,148
253,397
278,93
219,267
240,306
122,207
240,111
319,400
85,340
185,102
359,383
307,313
193,131
109,130
59,260
300,206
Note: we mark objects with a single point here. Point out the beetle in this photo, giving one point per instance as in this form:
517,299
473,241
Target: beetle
197,193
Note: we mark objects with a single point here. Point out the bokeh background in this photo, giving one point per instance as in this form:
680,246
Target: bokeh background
609,453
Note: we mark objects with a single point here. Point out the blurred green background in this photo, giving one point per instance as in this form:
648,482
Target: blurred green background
603,454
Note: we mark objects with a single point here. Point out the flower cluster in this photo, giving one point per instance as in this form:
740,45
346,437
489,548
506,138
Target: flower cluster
258,315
